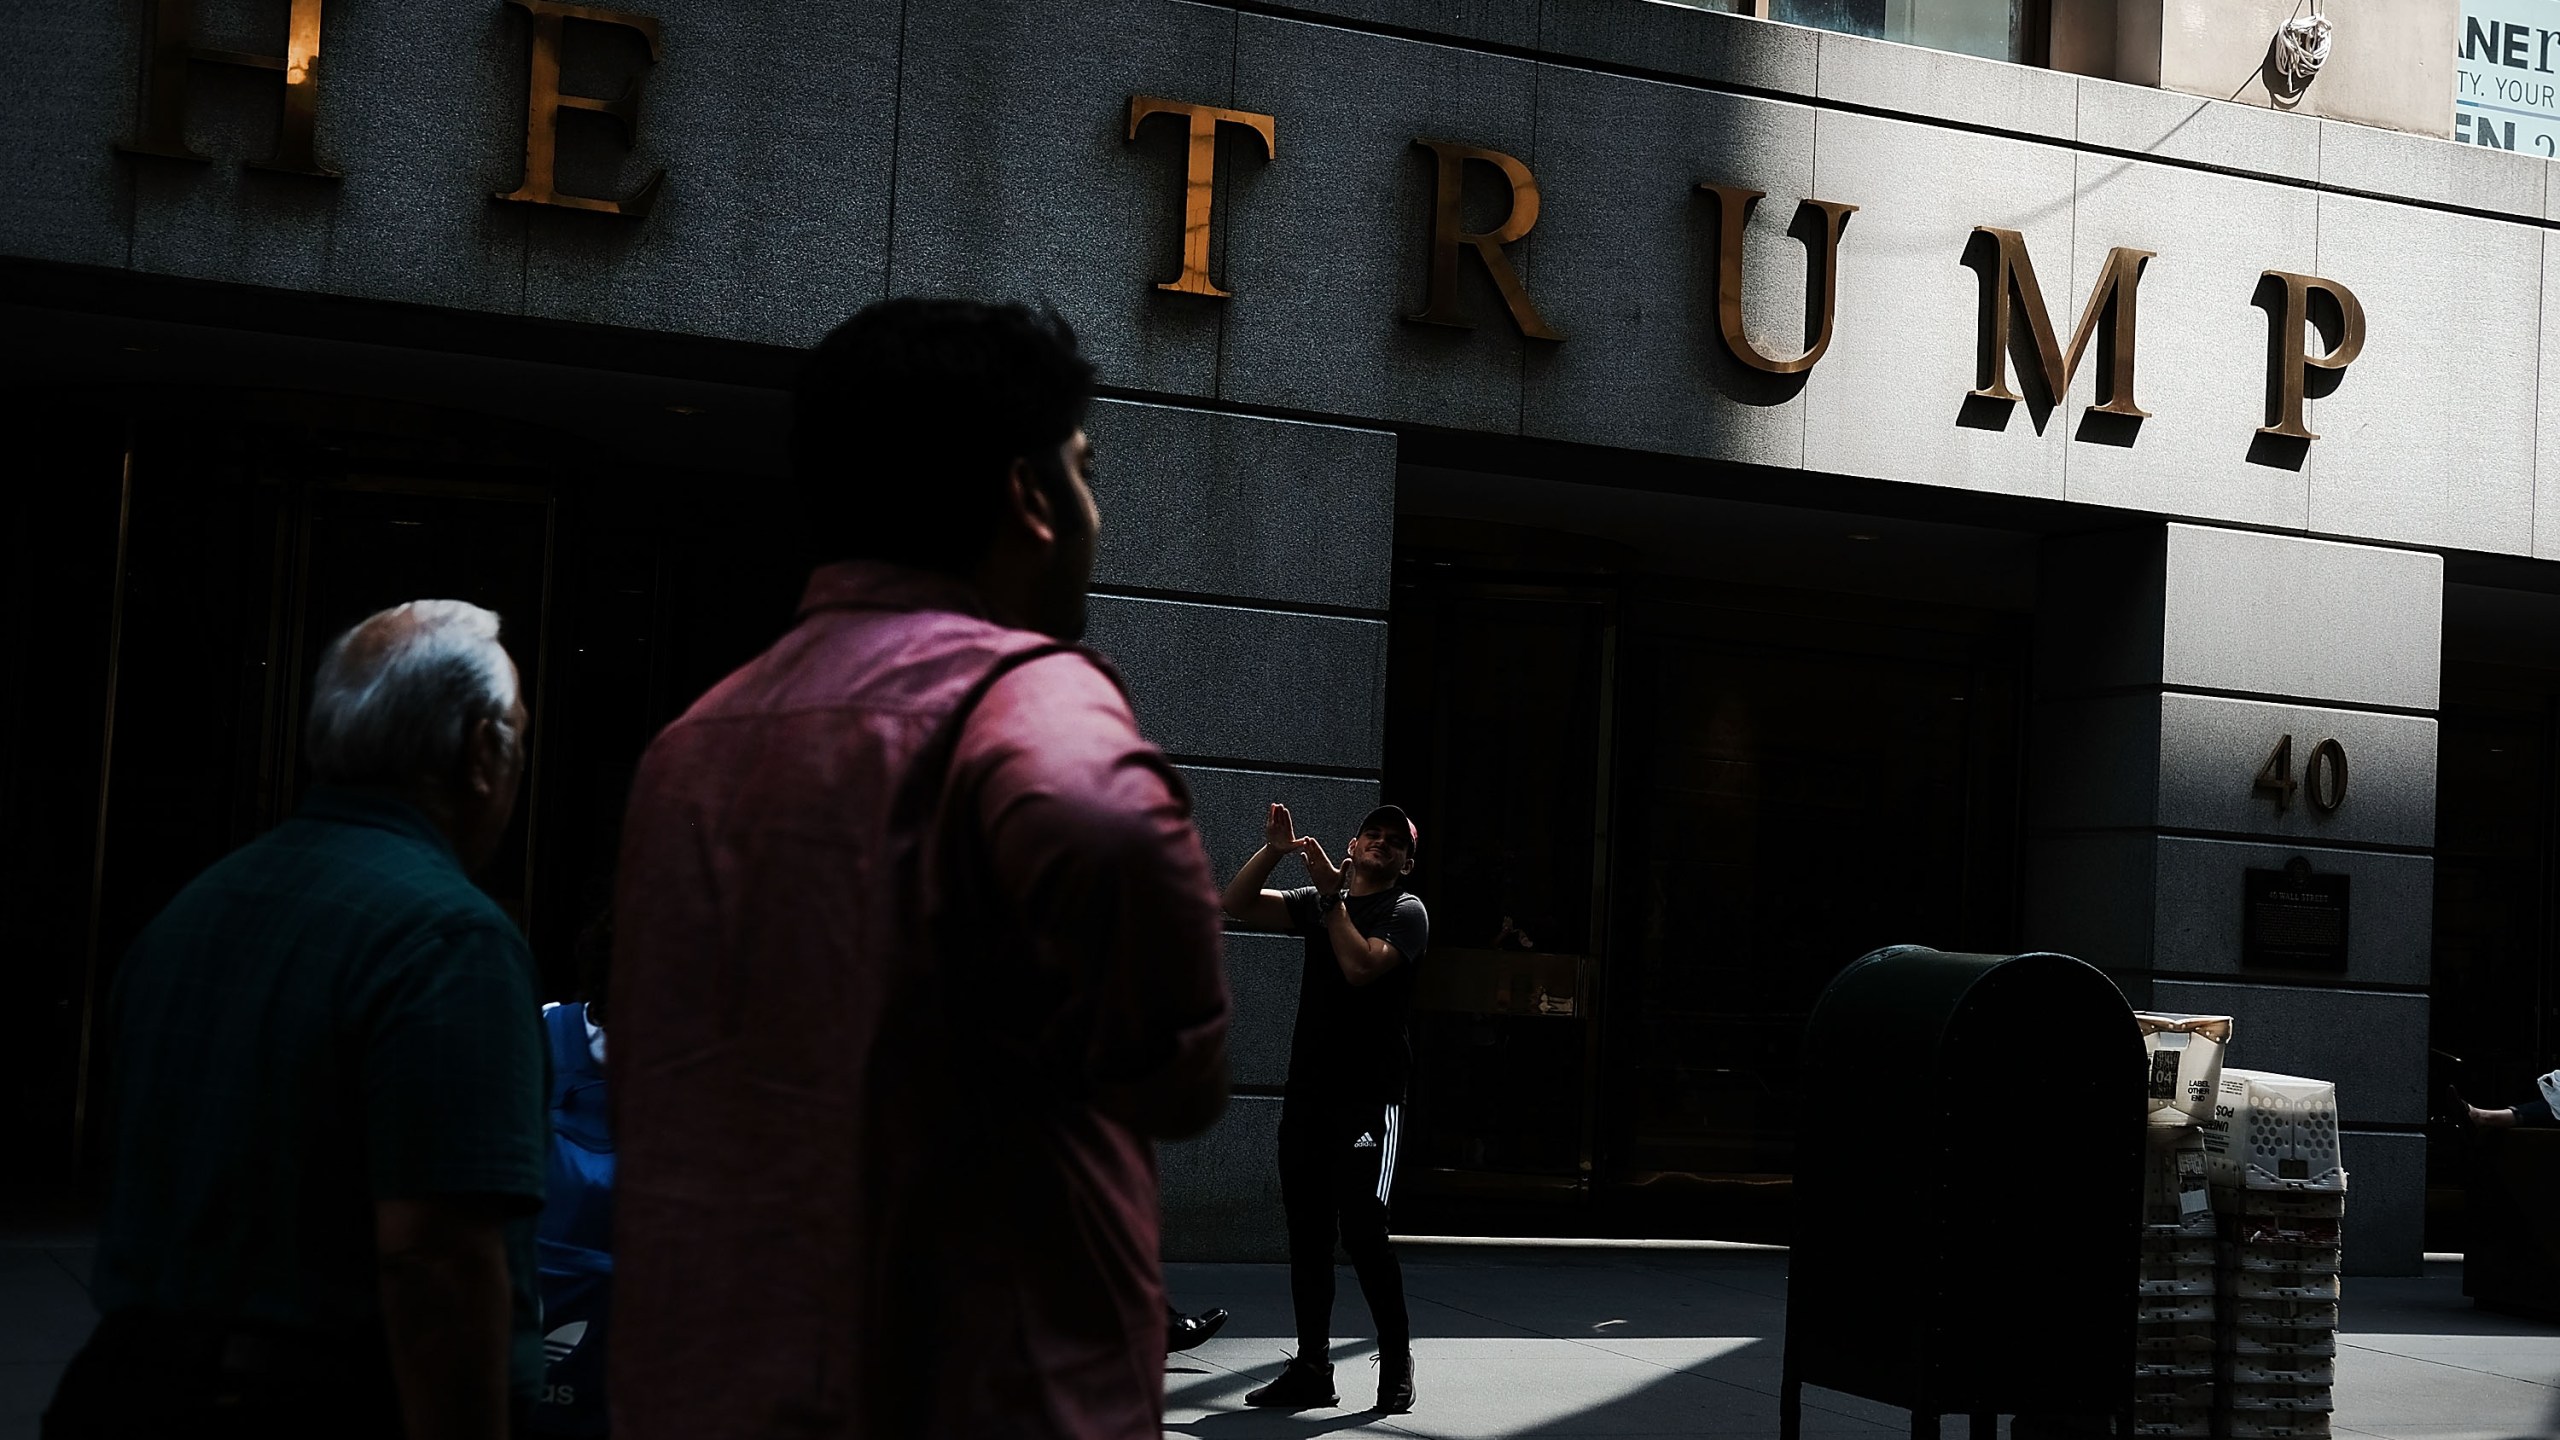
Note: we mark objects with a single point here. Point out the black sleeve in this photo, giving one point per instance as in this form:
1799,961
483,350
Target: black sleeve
1306,915
1409,929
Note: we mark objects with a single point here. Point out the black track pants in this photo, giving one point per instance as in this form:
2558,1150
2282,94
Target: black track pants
1337,1164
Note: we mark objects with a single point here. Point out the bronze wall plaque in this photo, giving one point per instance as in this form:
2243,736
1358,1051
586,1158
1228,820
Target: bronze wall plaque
2292,361
1448,234
1733,206
164,86
2294,919
2118,284
544,102
1199,176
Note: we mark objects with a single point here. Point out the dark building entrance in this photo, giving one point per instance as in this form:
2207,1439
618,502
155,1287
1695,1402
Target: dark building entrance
2494,1020
184,556
1661,810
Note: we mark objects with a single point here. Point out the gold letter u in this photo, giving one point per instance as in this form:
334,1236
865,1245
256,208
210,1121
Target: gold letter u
1733,206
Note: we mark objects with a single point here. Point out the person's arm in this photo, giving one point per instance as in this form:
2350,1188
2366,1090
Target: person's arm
456,1137
445,1308
1088,831
1363,961
1246,901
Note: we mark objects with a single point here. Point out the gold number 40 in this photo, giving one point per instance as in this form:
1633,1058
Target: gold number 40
2325,777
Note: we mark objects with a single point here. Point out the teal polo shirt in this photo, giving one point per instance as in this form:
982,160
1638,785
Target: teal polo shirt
333,1014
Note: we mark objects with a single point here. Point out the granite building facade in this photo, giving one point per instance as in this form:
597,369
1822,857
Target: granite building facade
1704,674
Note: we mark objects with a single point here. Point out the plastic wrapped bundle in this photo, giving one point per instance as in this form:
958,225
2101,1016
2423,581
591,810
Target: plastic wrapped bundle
2186,1064
2176,1360
2276,1133
2276,1425
2176,1194
2280,1197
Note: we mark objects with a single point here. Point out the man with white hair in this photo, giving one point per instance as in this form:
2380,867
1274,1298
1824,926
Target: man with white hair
327,1096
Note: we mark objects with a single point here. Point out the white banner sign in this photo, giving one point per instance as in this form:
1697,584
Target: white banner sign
2507,76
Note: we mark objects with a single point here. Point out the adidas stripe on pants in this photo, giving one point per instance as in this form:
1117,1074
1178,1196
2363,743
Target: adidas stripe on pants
1337,1176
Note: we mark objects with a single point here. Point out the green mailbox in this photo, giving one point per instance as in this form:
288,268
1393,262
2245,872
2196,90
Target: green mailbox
1968,1190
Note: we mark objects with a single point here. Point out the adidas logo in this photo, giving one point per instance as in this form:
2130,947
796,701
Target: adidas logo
1366,1141
558,1345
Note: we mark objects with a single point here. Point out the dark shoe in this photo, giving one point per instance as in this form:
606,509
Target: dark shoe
1181,1332
2456,1109
1304,1385
1395,1383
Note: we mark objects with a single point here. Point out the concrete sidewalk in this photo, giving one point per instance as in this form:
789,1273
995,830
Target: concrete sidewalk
1662,1341
1567,1341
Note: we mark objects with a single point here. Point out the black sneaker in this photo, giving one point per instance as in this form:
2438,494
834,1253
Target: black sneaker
1304,1385
1395,1383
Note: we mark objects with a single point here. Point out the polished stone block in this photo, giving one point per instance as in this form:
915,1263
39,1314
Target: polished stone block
2386,1202
2198,903
2376,161
67,93
2212,749
1262,975
1943,85
422,110
2372,1045
1328,247
2546,437
2168,125
1222,1190
1688,41
2201,360
2303,619
2094,764
2181,761
1509,23
1203,679
1016,178
2429,438
773,124
1199,502
1229,806
2091,896
1628,254
1890,399
2204,608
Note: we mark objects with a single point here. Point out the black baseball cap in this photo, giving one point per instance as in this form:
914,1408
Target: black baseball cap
1392,817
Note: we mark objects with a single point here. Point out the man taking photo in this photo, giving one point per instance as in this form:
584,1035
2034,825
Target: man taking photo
1349,1063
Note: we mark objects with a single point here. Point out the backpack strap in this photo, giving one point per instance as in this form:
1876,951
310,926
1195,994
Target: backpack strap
920,793
946,881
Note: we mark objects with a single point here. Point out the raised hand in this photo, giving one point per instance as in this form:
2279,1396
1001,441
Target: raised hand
1320,866
1278,830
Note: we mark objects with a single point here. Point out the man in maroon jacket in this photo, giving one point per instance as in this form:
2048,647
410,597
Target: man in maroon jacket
917,948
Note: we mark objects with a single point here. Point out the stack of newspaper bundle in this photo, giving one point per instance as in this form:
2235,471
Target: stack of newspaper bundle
2177,1329
2280,1192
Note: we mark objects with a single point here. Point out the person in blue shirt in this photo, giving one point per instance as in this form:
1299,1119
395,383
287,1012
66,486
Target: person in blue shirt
573,1238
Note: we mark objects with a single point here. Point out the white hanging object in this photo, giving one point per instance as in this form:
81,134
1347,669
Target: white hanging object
2302,47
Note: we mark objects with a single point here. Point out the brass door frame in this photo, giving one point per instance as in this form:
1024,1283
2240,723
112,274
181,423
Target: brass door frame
98,841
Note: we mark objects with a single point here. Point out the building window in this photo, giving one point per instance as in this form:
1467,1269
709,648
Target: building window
1993,29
